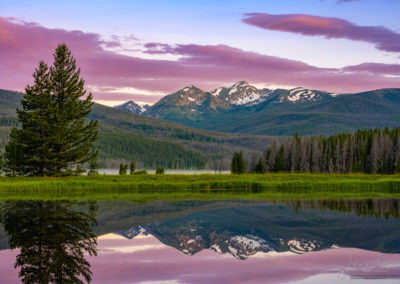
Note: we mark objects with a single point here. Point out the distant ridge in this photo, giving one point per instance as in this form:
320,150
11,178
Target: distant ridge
149,142
243,108
133,107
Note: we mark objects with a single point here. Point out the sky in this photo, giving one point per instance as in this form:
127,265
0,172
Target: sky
143,50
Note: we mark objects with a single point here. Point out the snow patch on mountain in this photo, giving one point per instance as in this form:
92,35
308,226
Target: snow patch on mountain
249,96
241,93
237,87
263,97
216,92
300,94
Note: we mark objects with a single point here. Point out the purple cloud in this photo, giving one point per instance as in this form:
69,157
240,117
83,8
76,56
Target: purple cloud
383,38
23,45
376,68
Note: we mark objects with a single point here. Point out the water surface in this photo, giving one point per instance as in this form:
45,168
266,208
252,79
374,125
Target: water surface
200,242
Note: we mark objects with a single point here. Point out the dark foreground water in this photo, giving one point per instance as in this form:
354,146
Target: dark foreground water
331,241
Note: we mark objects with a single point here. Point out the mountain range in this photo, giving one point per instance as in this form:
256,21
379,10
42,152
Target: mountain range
149,142
244,228
243,108
175,132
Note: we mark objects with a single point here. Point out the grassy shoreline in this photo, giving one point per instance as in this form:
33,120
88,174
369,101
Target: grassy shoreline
171,187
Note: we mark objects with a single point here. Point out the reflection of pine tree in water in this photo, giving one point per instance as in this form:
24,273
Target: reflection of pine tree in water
53,237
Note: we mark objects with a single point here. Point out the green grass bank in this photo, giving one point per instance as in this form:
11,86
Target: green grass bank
172,187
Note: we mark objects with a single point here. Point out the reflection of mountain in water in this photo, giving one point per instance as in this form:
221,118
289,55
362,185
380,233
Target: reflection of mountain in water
245,231
245,228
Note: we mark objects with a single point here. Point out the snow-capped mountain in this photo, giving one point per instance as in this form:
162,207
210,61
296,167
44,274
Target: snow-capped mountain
190,95
191,98
303,95
240,93
244,108
133,107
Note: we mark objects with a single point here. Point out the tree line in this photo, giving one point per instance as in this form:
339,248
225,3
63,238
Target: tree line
365,151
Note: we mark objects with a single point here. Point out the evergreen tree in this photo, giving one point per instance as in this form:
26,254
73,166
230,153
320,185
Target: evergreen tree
123,169
237,165
159,171
241,166
368,151
259,168
132,167
30,139
397,167
234,164
54,135
73,136
279,159
13,156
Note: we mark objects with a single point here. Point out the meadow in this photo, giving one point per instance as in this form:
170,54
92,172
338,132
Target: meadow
142,188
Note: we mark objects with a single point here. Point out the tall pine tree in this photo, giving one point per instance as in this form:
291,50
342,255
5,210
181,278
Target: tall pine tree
73,136
54,135
237,165
26,152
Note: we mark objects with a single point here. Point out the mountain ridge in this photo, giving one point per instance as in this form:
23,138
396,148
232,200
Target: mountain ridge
243,108
149,142
132,107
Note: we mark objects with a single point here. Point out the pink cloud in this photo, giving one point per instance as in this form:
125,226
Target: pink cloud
377,68
23,45
383,38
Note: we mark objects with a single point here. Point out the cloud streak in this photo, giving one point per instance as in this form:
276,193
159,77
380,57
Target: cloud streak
23,45
383,38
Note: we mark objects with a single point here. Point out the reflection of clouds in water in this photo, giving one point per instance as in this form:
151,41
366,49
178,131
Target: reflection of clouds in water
207,266
115,244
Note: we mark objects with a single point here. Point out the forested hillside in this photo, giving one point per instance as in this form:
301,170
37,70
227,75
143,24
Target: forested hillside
365,151
150,142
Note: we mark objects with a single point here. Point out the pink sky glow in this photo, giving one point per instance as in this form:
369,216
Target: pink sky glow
113,76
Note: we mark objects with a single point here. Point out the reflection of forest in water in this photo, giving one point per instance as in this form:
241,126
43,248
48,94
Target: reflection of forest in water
388,207
53,237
